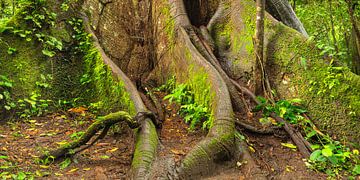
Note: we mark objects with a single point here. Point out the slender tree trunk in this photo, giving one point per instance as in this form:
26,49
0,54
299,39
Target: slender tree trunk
259,46
356,31
333,27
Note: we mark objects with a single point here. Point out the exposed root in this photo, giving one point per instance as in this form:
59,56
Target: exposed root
102,123
253,129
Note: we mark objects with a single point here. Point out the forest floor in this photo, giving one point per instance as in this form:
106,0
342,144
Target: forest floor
22,143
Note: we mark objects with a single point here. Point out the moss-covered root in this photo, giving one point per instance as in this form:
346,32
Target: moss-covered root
204,157
146,144
100,123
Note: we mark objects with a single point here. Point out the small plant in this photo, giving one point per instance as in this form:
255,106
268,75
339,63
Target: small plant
285,109
168,86
193,113
33,106
6,101
11,50
76,135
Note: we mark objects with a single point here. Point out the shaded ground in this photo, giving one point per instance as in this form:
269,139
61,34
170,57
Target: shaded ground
21,144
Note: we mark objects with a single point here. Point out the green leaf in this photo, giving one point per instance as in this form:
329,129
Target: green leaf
356,170
289,145
327,152
296,101
315,155
282,111
11,50
315,146
21,176
104,157
48,53
65,163
311,134
4,157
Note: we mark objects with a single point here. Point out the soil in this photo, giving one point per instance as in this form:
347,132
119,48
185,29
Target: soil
23,141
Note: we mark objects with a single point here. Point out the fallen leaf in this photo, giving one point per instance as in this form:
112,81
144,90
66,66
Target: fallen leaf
44,167
79,110
252,149
113,150
289,145
86,169
32,121
62,143
177,152
73,170
58,174
104,157
289,168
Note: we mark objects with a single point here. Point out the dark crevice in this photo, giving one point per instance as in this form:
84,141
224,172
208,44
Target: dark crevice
200,11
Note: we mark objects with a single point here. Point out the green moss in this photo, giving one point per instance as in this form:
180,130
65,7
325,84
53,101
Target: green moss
24,67
102,89
169,28
145,147
332,94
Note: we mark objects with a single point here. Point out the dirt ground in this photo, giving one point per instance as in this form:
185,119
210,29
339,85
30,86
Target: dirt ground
21,143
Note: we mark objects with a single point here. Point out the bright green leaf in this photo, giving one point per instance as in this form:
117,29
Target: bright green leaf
327,152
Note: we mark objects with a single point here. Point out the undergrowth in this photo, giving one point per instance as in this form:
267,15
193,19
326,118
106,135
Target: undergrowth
331,156
194,112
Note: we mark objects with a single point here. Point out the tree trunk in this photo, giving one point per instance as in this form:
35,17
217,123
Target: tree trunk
259,47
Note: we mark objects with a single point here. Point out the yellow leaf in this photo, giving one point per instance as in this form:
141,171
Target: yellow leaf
86,169
289,145
252,149
58,174
44,167
289,168
113,150
356,152
177,152
32,121
73,170
62,143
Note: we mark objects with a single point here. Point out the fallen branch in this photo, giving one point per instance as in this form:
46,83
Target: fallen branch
101,123
298,139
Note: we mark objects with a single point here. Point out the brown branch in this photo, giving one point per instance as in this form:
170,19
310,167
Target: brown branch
298,139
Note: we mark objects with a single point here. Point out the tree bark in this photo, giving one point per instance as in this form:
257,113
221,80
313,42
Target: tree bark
282,11
259,47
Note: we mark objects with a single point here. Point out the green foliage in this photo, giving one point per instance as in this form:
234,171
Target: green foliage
101,89
334,158
76,135
330,28
168,86
329,156
38,19
6,101
285,109
11,50
32,106
193,111
66,163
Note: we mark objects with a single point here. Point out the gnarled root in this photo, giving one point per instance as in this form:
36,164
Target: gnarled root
101,123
